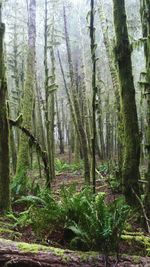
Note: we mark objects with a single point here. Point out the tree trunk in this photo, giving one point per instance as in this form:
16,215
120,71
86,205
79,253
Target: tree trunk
13,150
23,157
130,171
60,132
145,18
115,81
4,132
94,88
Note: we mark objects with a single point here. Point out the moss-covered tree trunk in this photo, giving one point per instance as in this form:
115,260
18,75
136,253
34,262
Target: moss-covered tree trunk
115,81
51,98
60,130
23,157
130,171
100,130
94,88
4,133
86,116
145,18
39,120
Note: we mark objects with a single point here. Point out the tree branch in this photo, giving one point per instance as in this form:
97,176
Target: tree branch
34,141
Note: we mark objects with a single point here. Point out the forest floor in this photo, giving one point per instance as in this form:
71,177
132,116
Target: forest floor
132,253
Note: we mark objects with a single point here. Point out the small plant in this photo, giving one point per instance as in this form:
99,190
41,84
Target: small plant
101,225
103,169
76,204
22,220
61,166
114,184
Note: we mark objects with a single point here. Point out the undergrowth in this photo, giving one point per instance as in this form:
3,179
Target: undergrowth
61,166
90,223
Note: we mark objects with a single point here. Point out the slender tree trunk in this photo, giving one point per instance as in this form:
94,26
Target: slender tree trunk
39,119
145,18
93,46
4,132
100,121
86,117
51,100
13,151
59,126
130,171
49,178
108,152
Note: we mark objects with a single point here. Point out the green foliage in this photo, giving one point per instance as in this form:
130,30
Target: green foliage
61,166
103,168
76,204
114,183
46,213
101,225
92,223
18,183
22,220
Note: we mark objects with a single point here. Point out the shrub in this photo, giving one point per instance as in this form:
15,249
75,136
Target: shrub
94,225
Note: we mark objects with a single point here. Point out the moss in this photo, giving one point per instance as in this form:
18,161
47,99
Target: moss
4,133
34,248
4,230
139,239
84,256
23,157
128,227
130,169
136,259
63,254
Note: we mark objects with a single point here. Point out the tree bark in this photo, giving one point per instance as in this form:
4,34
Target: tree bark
145,18
130,171
94,88
115,82
59,126
23,157
4,132
25,255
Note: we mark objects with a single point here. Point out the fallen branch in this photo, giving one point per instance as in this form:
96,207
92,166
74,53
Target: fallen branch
143,210
35,142
101,176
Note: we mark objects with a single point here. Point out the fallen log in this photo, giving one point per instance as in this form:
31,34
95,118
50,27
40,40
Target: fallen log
19,254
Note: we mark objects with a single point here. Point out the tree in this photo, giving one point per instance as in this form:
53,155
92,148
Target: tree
130,170
23,157
145,18
4,131
114,78
94,88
